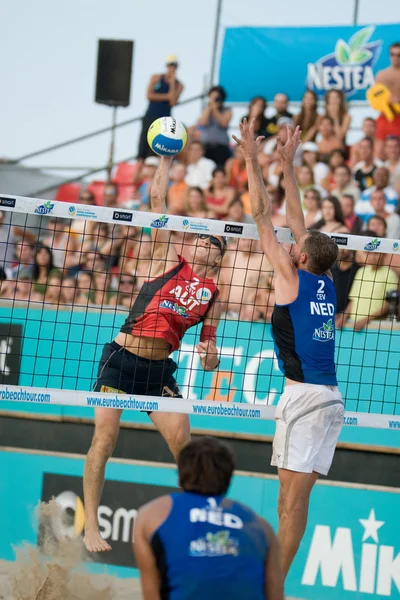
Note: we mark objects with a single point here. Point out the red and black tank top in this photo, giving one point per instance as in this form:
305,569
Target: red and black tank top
170,304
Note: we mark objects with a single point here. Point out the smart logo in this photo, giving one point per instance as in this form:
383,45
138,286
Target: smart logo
349,68
159,223
372,245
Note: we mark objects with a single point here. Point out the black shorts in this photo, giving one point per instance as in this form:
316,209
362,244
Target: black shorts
126,373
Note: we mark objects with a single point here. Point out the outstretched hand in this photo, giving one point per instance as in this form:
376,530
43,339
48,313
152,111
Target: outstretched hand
248,145
287,151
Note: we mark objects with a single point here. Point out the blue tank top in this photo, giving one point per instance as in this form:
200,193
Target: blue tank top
160,109
304,332
210,548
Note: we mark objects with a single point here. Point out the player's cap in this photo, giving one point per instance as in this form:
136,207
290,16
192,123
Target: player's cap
152,161
171,59
310,147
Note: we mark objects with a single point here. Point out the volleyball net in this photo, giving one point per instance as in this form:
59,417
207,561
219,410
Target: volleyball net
70,274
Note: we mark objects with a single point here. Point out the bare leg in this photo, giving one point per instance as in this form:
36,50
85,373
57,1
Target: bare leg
175,429
294,497
103,444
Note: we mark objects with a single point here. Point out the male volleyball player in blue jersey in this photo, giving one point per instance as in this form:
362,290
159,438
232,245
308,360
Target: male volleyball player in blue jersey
309,415
199,545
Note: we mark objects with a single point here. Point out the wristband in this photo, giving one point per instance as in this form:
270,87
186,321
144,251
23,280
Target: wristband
208,334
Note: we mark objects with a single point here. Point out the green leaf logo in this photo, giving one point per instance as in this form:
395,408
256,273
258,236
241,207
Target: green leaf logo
360,56
342,52
360,38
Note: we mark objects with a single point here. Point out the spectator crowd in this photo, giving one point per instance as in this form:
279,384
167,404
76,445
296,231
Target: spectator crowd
344,189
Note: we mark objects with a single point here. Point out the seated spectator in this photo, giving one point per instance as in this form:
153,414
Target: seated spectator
176,199
328,140
336,109
377,206
219,194
305,181
213,126
196,205
144,177
270,150
64,245
368,292
281,105
84,288
257,108
43,268
311,158
101,288
23,289
337,158
199,168
68,291
24,261
332,217
363,171
86,197
53,291
236,212
381,184
236,172
278,216
353,223
243,281
308,118
163,93
7,243
110,194
126,291
312,207
392,155
343,273
345,184
378,224
139,264
369,130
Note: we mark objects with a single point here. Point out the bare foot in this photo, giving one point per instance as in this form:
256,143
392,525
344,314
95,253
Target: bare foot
95,543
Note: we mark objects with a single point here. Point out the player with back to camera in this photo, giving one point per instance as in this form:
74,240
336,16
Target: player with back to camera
199,545
178,295
309,415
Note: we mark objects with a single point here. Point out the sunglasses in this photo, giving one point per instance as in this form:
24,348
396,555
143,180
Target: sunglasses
213,240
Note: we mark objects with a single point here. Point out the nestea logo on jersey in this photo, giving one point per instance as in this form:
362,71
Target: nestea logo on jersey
325,333
349,68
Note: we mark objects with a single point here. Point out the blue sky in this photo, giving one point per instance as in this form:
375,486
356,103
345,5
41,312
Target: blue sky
49,52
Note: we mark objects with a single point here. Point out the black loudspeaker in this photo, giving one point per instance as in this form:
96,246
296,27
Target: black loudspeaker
114,68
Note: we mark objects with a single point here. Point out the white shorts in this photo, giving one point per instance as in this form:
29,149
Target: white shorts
309,419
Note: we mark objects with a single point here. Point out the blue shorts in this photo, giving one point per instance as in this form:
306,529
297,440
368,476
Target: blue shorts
126,373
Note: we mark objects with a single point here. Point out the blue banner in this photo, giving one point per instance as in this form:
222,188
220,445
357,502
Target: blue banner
263,61
61,350
350,551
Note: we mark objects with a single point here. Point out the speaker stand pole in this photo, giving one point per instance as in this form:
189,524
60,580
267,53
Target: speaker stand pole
112,144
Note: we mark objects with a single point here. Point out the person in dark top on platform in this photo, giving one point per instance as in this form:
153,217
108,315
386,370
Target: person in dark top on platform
179,294
199,545
343,272
213,126
303,328
163,93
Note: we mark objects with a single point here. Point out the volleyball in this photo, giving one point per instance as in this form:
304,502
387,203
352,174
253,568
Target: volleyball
167,136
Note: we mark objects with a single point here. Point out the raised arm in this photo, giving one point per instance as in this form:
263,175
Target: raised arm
261,203
294,212
164,256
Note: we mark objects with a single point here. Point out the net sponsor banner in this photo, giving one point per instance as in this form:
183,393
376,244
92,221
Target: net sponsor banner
134,218
350,550
345,58
61,349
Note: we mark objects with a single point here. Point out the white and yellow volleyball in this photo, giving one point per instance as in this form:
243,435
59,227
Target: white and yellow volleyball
167,136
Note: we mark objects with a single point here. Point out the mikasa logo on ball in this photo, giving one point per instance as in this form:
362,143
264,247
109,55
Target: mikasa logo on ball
164,149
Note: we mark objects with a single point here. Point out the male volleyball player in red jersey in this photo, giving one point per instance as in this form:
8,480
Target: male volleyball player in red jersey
179,295
309,415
